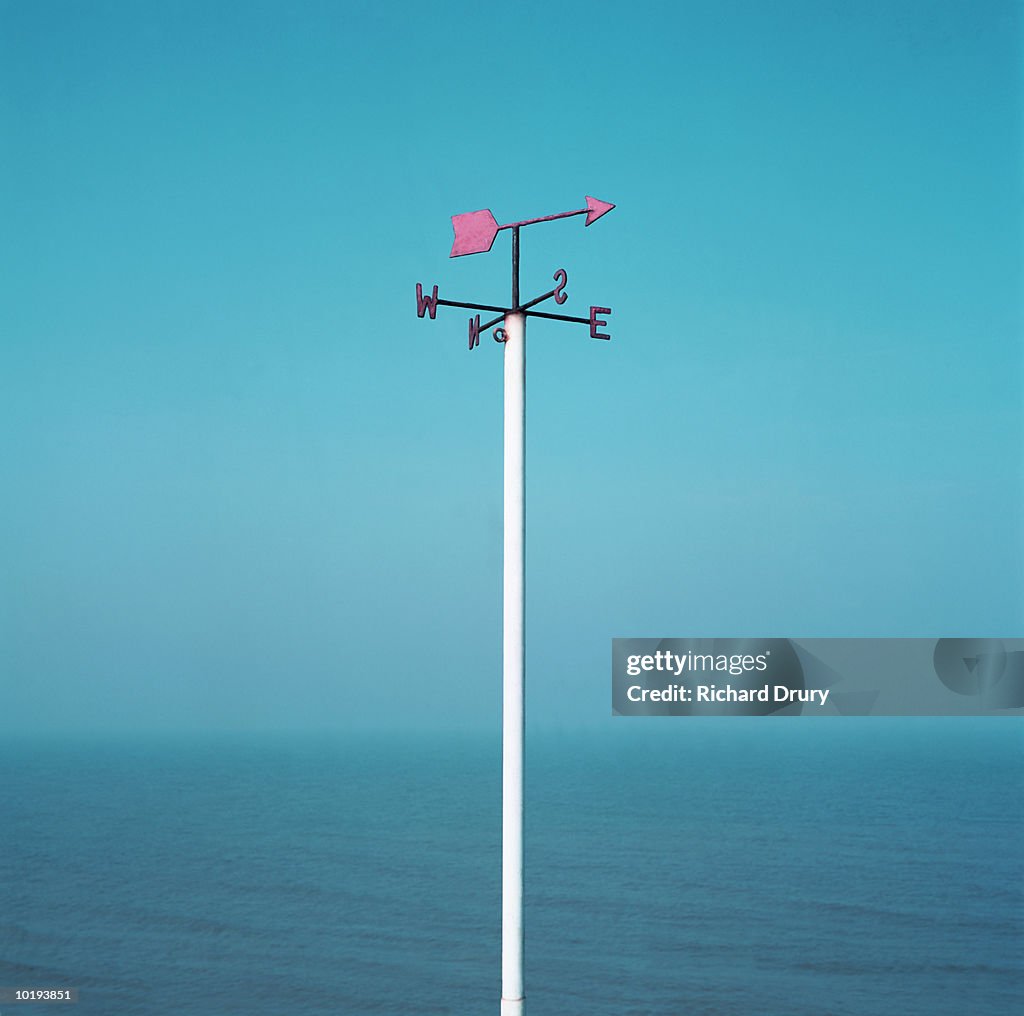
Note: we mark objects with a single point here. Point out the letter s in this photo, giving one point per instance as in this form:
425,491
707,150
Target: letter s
561,278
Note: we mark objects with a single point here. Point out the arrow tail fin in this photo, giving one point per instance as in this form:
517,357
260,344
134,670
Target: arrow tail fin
474,232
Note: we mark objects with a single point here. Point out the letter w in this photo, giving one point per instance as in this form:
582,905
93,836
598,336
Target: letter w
426,303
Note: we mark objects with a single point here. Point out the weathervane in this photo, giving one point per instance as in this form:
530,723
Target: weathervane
474,234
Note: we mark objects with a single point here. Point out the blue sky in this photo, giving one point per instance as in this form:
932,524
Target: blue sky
246,487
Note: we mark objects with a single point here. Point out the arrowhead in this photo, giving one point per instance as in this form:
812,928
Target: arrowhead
595,209
474,232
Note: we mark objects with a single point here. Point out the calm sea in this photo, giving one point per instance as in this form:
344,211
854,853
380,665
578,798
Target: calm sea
680,866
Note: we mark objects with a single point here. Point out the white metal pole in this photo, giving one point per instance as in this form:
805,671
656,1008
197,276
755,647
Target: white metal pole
513,717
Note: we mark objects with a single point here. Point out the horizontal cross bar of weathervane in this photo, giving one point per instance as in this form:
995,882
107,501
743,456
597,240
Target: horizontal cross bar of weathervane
557,317
540,299
471,306
532,303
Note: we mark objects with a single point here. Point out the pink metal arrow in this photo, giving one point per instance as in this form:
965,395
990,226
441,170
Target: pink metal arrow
475,231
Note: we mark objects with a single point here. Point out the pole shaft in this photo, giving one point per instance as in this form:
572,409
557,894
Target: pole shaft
515,269
513,719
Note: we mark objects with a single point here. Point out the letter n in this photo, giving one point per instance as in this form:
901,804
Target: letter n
426,303
474,331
